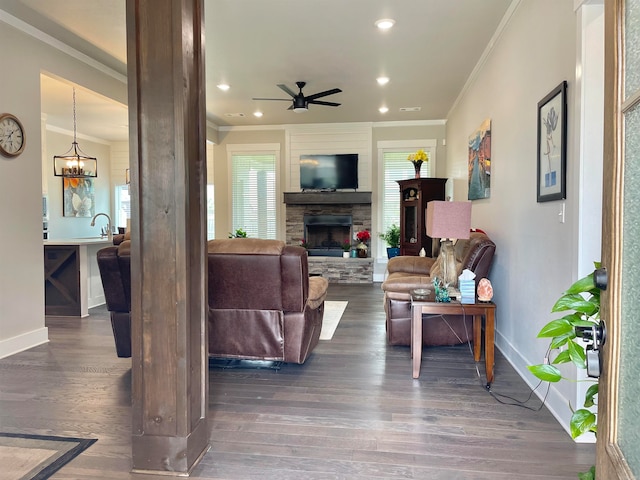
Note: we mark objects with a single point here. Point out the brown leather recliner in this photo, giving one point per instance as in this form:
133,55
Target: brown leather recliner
406,273
262,302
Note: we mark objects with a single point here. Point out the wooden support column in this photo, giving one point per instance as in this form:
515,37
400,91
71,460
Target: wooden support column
168,226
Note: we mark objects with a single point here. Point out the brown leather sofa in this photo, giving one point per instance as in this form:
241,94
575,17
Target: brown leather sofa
262,303
406,273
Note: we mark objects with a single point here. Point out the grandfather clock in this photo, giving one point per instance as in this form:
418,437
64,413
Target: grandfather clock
415,193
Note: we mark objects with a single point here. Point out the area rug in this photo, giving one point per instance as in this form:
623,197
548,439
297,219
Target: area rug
332,314
37,457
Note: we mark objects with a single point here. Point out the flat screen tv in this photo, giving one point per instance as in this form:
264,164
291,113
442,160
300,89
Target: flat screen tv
329,172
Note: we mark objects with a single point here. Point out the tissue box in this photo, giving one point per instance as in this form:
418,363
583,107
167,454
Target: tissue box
467,291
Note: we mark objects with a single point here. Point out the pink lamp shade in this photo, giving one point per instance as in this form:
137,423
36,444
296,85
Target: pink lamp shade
448,219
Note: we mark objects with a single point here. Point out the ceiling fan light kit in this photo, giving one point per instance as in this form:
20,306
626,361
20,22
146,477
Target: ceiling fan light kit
300,101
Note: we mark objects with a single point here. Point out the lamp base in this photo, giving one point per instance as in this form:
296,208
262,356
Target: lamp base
448,266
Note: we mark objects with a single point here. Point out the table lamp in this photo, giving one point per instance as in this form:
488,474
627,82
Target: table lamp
448,221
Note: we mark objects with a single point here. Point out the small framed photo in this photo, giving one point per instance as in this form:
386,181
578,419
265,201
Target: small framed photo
552,145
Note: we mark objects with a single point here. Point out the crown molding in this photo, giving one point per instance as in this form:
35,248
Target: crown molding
57,44
487,52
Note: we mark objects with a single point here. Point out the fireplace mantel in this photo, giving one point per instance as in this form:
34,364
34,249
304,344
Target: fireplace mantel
326,198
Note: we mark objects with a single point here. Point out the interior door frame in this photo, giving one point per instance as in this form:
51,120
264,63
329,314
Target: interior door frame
610,461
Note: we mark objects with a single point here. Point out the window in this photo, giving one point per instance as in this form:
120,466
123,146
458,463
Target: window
123,206
211,213
254,192
396,167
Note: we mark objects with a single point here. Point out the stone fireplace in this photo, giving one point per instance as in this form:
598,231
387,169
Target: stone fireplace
325,220
325,234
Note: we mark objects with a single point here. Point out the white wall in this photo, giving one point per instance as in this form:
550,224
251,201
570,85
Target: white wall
537,255
22,322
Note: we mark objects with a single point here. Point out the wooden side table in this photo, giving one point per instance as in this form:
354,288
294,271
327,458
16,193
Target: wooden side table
479,311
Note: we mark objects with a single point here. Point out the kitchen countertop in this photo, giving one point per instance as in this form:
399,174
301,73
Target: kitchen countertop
78,241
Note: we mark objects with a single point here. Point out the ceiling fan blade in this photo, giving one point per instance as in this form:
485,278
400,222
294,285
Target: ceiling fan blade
286,89
323,94
320,102
280,99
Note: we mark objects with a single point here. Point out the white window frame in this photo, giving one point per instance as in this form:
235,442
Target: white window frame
384,146
255,149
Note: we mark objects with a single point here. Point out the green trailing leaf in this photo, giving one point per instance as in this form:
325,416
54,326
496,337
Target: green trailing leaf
555,328
585,284
546,373
589,397
563,357
583,323
575,302
582,421
561,340
590,475
577,354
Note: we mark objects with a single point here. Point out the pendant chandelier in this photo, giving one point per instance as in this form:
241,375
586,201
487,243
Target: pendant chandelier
75,163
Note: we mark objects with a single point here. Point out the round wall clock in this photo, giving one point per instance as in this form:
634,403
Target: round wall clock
12,140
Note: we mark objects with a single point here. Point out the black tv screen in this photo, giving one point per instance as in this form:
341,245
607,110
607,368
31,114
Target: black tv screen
329,172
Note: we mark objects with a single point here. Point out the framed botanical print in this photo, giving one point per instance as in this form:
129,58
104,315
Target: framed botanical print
552,145
78,196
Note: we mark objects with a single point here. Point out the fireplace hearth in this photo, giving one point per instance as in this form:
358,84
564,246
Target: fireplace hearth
325,234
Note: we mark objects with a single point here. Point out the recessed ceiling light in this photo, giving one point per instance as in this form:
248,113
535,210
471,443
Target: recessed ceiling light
223,86
383,109
385,23
382,80
257,114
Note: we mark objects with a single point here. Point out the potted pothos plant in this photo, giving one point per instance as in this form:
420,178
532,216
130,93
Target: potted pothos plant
581,302
392,237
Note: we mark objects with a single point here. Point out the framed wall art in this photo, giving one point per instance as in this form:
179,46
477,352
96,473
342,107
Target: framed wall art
552,145
479,162
78,196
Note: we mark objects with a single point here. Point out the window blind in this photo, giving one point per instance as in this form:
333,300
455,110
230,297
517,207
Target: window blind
397,167
254,194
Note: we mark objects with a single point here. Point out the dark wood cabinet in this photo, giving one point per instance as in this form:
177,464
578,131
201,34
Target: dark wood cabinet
415,193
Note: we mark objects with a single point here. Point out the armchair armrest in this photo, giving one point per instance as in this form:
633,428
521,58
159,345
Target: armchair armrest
410,264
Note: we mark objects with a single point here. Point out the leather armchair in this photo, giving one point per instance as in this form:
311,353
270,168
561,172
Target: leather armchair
406,273
262,304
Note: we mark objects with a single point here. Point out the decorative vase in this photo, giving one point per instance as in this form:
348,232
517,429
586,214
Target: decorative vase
362,250
416,165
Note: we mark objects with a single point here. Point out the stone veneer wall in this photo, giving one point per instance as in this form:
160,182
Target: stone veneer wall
342,270
334,269
360,214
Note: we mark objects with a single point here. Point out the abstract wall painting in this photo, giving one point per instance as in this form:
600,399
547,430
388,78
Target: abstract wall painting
480,162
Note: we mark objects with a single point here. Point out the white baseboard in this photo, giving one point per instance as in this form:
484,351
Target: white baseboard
555,402
18,344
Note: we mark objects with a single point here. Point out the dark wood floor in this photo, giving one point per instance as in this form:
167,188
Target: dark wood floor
352,411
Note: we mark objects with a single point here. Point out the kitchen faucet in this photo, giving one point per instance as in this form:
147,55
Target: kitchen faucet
109,232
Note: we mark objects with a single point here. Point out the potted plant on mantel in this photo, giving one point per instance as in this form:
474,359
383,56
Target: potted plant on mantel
346,248
586,315
392,238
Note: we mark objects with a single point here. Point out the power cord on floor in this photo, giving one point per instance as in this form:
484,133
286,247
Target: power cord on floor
497,396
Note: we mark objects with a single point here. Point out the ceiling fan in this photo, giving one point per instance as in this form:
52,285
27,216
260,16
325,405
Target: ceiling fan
300,102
